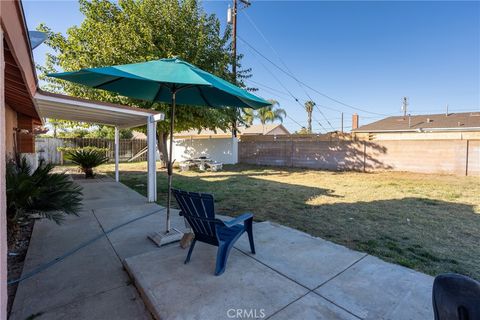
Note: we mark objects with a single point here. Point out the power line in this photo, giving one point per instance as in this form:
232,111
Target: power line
306,85
289,92
277,91
287,116
286,67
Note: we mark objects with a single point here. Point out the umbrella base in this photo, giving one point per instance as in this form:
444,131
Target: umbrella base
163,238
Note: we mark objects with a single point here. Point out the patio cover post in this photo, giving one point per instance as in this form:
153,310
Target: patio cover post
117,156
152,159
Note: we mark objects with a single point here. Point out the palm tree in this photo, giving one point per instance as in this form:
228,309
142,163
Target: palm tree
271,113
309,108
248,116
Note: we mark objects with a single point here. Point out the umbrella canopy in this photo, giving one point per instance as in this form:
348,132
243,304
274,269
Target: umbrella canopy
166,80
157,80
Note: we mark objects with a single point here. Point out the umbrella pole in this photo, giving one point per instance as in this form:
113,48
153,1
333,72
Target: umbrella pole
171,234
170,159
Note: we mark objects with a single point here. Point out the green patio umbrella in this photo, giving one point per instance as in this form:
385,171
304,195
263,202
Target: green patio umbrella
166,80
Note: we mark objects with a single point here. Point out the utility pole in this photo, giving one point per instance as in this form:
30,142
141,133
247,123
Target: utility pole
234,40
446,114
342,122
232,19
404,106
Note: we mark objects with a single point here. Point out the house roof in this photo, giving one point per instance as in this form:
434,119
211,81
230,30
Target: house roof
20,76
259,129
251,130
428,122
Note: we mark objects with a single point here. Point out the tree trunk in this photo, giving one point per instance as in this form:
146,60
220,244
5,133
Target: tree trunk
162,146
309,121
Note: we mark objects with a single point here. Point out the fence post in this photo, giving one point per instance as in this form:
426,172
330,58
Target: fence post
364,155
466,158
291,151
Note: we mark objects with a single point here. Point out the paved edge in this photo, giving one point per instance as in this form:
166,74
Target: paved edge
146,300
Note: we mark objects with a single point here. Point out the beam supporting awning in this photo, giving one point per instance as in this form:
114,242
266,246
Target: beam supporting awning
58,106
62,107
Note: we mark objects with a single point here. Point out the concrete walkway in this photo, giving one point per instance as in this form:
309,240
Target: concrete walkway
292,276
91,283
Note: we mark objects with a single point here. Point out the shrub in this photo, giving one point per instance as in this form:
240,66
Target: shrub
70,149
49,195
87,159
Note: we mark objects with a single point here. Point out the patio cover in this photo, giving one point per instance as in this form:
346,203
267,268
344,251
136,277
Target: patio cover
58,106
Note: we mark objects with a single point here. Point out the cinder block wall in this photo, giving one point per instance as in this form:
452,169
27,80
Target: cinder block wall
461,157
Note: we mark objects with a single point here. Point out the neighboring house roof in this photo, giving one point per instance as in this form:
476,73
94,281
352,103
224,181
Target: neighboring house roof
270,129
137,135
466,121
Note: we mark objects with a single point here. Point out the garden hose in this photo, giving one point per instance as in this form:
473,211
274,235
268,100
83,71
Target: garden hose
81,246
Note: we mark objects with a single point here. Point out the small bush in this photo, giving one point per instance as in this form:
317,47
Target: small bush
87,159
49,195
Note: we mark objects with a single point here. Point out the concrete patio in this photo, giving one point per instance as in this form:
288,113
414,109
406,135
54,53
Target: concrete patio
292,276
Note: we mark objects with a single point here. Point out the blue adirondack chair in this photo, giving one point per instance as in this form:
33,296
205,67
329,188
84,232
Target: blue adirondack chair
198,210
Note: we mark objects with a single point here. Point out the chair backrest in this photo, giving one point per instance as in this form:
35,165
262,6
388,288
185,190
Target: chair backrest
199,211
456,297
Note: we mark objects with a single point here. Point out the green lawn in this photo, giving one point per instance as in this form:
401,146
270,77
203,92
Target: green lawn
426,222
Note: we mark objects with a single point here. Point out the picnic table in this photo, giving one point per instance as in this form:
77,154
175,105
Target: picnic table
202,163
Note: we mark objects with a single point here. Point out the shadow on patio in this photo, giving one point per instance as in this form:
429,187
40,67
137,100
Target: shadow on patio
293,275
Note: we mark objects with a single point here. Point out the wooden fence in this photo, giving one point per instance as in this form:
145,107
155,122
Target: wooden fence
48,147
460,157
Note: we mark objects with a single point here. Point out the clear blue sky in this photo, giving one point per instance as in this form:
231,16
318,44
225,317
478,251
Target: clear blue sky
364,54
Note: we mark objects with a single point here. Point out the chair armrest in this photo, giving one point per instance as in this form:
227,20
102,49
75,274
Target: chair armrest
242,218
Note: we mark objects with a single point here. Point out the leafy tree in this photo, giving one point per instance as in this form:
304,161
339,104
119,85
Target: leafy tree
75,133
303,130
270,113
140,30
248,116
61,127
309,108
107,132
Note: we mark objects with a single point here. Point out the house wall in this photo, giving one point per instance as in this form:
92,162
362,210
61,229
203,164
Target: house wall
10,125
223,150
3,214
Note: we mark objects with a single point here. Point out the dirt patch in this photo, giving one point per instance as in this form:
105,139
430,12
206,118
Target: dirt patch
17,250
